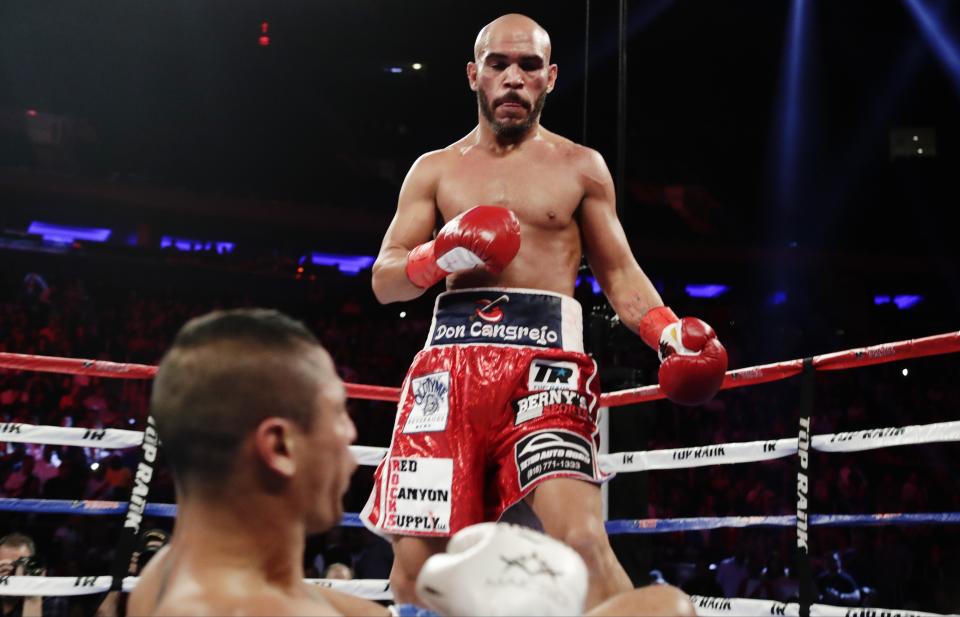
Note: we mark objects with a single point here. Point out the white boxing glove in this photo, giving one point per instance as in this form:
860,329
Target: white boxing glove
500,569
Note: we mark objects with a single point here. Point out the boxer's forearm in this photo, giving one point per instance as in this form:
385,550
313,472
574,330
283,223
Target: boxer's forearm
630,293
390,282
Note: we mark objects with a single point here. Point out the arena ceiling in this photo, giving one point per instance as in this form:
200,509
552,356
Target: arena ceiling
179,95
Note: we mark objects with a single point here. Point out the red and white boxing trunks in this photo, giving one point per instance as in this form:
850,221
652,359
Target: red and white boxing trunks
500,399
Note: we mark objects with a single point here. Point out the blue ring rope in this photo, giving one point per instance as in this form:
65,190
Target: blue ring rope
635,526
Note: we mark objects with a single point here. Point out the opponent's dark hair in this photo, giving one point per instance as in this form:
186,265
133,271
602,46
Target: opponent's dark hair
225,372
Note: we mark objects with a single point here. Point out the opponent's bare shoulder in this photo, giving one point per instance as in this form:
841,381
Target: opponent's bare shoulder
150,585
211,600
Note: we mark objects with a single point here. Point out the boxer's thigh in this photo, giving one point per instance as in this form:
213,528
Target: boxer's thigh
549,432
570,510
411,552
431,457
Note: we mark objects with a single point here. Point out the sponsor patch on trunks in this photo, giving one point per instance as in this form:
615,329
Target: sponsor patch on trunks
418,495
532,406
498,318
548,453
551,374
431,404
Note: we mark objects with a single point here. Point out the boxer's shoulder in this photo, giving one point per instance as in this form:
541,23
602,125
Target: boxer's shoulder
433,163
210,601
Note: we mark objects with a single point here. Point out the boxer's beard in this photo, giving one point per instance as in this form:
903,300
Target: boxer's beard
511,130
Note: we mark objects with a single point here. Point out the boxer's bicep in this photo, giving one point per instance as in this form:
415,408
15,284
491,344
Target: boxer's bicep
412,224
415,218
605,243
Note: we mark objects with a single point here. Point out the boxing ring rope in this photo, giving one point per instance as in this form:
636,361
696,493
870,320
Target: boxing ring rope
372,589
620,462
841,360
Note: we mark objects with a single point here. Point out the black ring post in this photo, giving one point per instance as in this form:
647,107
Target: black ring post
807,591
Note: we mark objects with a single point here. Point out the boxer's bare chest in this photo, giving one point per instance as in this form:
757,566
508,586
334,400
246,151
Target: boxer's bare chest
540,185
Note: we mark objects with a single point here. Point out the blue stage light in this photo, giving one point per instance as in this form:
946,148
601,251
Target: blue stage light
904,302
946,49
67,234
594,284
706,291
189,245
347,264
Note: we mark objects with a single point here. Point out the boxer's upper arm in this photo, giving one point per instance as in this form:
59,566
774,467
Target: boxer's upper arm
629,290
415,218
605,242
412,224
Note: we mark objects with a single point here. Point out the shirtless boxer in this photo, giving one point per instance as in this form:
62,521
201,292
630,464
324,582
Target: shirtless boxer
252,418
501,404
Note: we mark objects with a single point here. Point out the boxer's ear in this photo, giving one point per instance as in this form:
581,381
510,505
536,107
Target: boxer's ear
472,75
274,446
552,77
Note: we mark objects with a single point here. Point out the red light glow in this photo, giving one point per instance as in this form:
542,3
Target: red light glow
264,41
32,113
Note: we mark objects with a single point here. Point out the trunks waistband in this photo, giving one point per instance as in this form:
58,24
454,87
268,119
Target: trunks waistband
506,316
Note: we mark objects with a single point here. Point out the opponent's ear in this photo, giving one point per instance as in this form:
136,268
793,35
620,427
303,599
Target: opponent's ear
552,77
472,75
275,446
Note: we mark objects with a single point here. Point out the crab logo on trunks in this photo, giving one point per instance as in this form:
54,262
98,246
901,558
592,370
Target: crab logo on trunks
550,375
568,402
431,404
418,495
489,311
550,453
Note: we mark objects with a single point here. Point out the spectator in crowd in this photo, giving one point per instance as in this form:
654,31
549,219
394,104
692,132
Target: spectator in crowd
339,571
18,557
732,572
836,586
22,483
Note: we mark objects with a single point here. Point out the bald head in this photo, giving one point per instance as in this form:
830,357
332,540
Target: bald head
511,30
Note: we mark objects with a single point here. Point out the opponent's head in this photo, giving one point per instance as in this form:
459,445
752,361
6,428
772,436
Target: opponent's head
248,400
511,74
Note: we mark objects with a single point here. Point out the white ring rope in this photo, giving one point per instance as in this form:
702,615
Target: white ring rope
753,451
371,589
714,607
624,462
378,589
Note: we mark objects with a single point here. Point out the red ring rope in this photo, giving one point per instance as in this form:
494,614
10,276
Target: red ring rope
840,360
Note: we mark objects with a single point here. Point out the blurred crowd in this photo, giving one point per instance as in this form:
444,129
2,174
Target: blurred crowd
78,310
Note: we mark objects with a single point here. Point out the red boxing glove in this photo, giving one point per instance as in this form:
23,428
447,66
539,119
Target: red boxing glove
692,360
486,236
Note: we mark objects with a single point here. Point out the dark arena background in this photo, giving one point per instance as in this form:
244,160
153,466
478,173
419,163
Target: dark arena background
786,169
